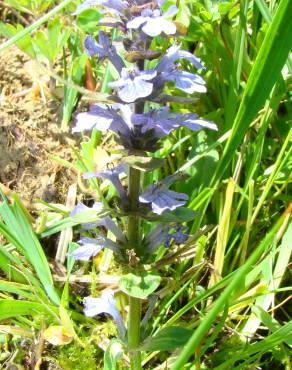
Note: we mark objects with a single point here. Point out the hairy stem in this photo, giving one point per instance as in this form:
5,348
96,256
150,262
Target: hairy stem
134,332
134,221
134,238
134,246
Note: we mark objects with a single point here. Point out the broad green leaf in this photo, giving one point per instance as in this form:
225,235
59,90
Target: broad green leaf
139,286
183,15
24,44
181,214
88,19
167,339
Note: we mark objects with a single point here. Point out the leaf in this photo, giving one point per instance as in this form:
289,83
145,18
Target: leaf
58,335
67,322
220,303
24,44
167,339
87,216
112,355
13,308
17,230
270,322
143,163
76,73
88,19
203,169
19,35
181,214
183,15
266,71
139,286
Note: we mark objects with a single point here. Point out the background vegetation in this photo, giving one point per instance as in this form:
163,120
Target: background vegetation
231,281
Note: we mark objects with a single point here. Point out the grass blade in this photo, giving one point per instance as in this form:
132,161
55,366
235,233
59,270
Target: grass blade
17,229
34,25
271,59
220,303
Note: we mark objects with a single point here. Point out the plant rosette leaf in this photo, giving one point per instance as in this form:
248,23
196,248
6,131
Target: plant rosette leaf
58,335
167,339
139,286
143,163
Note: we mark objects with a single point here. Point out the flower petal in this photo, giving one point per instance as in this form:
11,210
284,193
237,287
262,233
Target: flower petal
97,117
171,11
136,22
153,27
89,249
135,90
105,304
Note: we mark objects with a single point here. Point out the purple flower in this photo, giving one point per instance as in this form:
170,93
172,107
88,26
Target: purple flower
113,176
173,54
105,304
106,222
117,118
185,81
162,199
104,49
163,121
80,207
153,22
115,6
99,116
180,236
133,84
91,247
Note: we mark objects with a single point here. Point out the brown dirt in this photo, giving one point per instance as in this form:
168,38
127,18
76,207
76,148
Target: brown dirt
29,130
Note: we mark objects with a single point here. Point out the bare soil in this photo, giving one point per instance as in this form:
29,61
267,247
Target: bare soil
30,129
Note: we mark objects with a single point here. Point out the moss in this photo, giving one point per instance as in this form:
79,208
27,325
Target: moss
75,357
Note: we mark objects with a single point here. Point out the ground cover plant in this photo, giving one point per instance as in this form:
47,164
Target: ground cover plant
172,249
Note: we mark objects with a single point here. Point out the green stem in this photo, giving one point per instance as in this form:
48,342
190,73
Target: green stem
134,332
134,222
134,245
134,238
